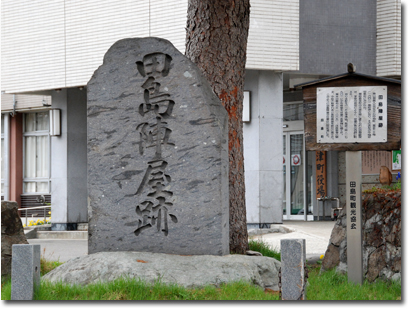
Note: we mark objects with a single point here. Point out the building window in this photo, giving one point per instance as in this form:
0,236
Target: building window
36,137
293,111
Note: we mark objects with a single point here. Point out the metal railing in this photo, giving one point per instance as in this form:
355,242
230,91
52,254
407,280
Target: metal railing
38,207
328,198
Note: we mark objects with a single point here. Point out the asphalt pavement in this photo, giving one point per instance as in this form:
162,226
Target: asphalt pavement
316,234
61,250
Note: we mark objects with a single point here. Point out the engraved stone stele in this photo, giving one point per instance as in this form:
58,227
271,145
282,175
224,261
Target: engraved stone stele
293,259
25,271
157,154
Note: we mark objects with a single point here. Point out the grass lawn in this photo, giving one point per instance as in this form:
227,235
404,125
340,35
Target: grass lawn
329,285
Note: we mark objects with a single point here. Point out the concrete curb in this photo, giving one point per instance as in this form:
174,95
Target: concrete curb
62,235
31,232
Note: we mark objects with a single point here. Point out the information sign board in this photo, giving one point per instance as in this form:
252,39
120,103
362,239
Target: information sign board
352,114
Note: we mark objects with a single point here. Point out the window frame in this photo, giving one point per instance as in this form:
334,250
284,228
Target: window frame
36,134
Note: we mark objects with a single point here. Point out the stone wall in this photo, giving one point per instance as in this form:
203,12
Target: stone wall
381,237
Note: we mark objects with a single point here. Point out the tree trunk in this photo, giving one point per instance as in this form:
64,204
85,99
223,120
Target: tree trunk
216,40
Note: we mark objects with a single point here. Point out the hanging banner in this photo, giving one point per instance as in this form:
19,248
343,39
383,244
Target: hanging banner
321,173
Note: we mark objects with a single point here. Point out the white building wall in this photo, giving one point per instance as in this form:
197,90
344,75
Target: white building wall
168,21
59,44
263,148
33,45
91,27
273,42
388,42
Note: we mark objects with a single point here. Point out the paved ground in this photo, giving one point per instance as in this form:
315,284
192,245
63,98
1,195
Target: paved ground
61,249
316,234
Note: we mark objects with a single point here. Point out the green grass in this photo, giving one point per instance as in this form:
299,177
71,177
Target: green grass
328,285
47,266
134,289
5,288
331,285
264,249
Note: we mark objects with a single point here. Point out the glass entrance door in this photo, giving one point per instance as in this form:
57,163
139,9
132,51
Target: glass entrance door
294,198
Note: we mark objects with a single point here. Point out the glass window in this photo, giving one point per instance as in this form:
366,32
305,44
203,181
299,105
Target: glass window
36,153
293,111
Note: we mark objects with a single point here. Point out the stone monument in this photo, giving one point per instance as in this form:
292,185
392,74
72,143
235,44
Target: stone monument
157,154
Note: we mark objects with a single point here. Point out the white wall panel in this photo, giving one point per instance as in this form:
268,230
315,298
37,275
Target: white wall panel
49,44
94,26
23,102
273,42
168,21
388,43
33,45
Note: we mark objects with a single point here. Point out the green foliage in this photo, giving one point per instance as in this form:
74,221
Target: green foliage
264,249
397,186
393,187
134,289
47,266
5,288
331,285
328,285
374,189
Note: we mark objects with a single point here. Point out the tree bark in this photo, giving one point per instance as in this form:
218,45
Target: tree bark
216,40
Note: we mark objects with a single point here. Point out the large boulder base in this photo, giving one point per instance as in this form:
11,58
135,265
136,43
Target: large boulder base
188,271
12,233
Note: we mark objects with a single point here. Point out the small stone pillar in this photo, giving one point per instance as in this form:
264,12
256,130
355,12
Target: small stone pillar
25,271
293,262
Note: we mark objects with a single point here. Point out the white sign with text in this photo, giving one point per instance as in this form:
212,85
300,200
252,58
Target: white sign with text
352,114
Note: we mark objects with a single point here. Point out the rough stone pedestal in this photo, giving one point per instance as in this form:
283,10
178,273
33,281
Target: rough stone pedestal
293,264
12,232
25,271
157,154
193,271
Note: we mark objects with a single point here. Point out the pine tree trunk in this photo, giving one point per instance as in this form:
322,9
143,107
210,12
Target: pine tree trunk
216,40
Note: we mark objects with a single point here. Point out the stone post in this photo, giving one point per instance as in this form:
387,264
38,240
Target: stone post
293,279
25,271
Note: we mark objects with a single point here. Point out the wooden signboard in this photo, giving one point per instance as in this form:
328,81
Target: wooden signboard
351,112
389,138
